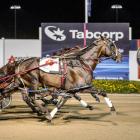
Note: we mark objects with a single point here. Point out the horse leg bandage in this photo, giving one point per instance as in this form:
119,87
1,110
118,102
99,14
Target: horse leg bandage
53,112
83,103
108,101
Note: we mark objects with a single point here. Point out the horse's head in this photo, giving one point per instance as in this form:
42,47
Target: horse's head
108,49
7,69
5,73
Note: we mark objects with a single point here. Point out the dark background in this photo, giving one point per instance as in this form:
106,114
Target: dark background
34,12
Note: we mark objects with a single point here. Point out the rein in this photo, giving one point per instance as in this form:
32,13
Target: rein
103,59
9,77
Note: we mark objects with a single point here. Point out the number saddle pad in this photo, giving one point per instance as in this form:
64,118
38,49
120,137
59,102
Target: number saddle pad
49,65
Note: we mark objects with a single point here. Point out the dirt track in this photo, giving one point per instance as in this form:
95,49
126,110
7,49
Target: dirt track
74,122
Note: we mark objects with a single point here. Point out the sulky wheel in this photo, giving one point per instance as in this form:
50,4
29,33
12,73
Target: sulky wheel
5,102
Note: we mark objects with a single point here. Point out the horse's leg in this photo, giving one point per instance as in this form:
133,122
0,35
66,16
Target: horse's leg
107,100
32,103
28,102
42,109
83,103
94,95
58,106
46,101
93,92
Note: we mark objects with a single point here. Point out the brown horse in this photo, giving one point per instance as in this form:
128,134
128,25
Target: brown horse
80,76
75,75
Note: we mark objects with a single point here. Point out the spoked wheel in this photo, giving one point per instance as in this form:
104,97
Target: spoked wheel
5,102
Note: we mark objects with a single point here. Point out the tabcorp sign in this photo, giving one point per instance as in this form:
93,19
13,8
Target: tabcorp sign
61,35
56,36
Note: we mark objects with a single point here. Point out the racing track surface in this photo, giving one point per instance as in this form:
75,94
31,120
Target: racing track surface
74,122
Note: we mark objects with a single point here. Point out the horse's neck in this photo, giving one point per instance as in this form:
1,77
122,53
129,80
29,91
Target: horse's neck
26,71
27,64
91,57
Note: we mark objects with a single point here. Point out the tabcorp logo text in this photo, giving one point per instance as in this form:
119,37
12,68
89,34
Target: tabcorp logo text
89,35
57,34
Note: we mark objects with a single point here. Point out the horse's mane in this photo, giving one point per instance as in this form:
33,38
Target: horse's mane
67,51
19,60
91,45
75,51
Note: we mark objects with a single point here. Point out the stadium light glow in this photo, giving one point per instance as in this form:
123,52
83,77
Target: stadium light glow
116,7
15,8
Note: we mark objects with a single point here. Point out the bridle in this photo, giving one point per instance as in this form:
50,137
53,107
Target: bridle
113,49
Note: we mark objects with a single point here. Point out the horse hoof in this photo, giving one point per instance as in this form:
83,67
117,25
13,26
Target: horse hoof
49,118
55,102
113,111
90,107
112,108
98,100
40,113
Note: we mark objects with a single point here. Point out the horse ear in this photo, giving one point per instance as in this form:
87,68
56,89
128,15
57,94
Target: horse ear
101,37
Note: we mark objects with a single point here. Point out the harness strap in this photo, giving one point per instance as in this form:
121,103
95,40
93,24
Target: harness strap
19,73
86,66
19,76
5,83
63,68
